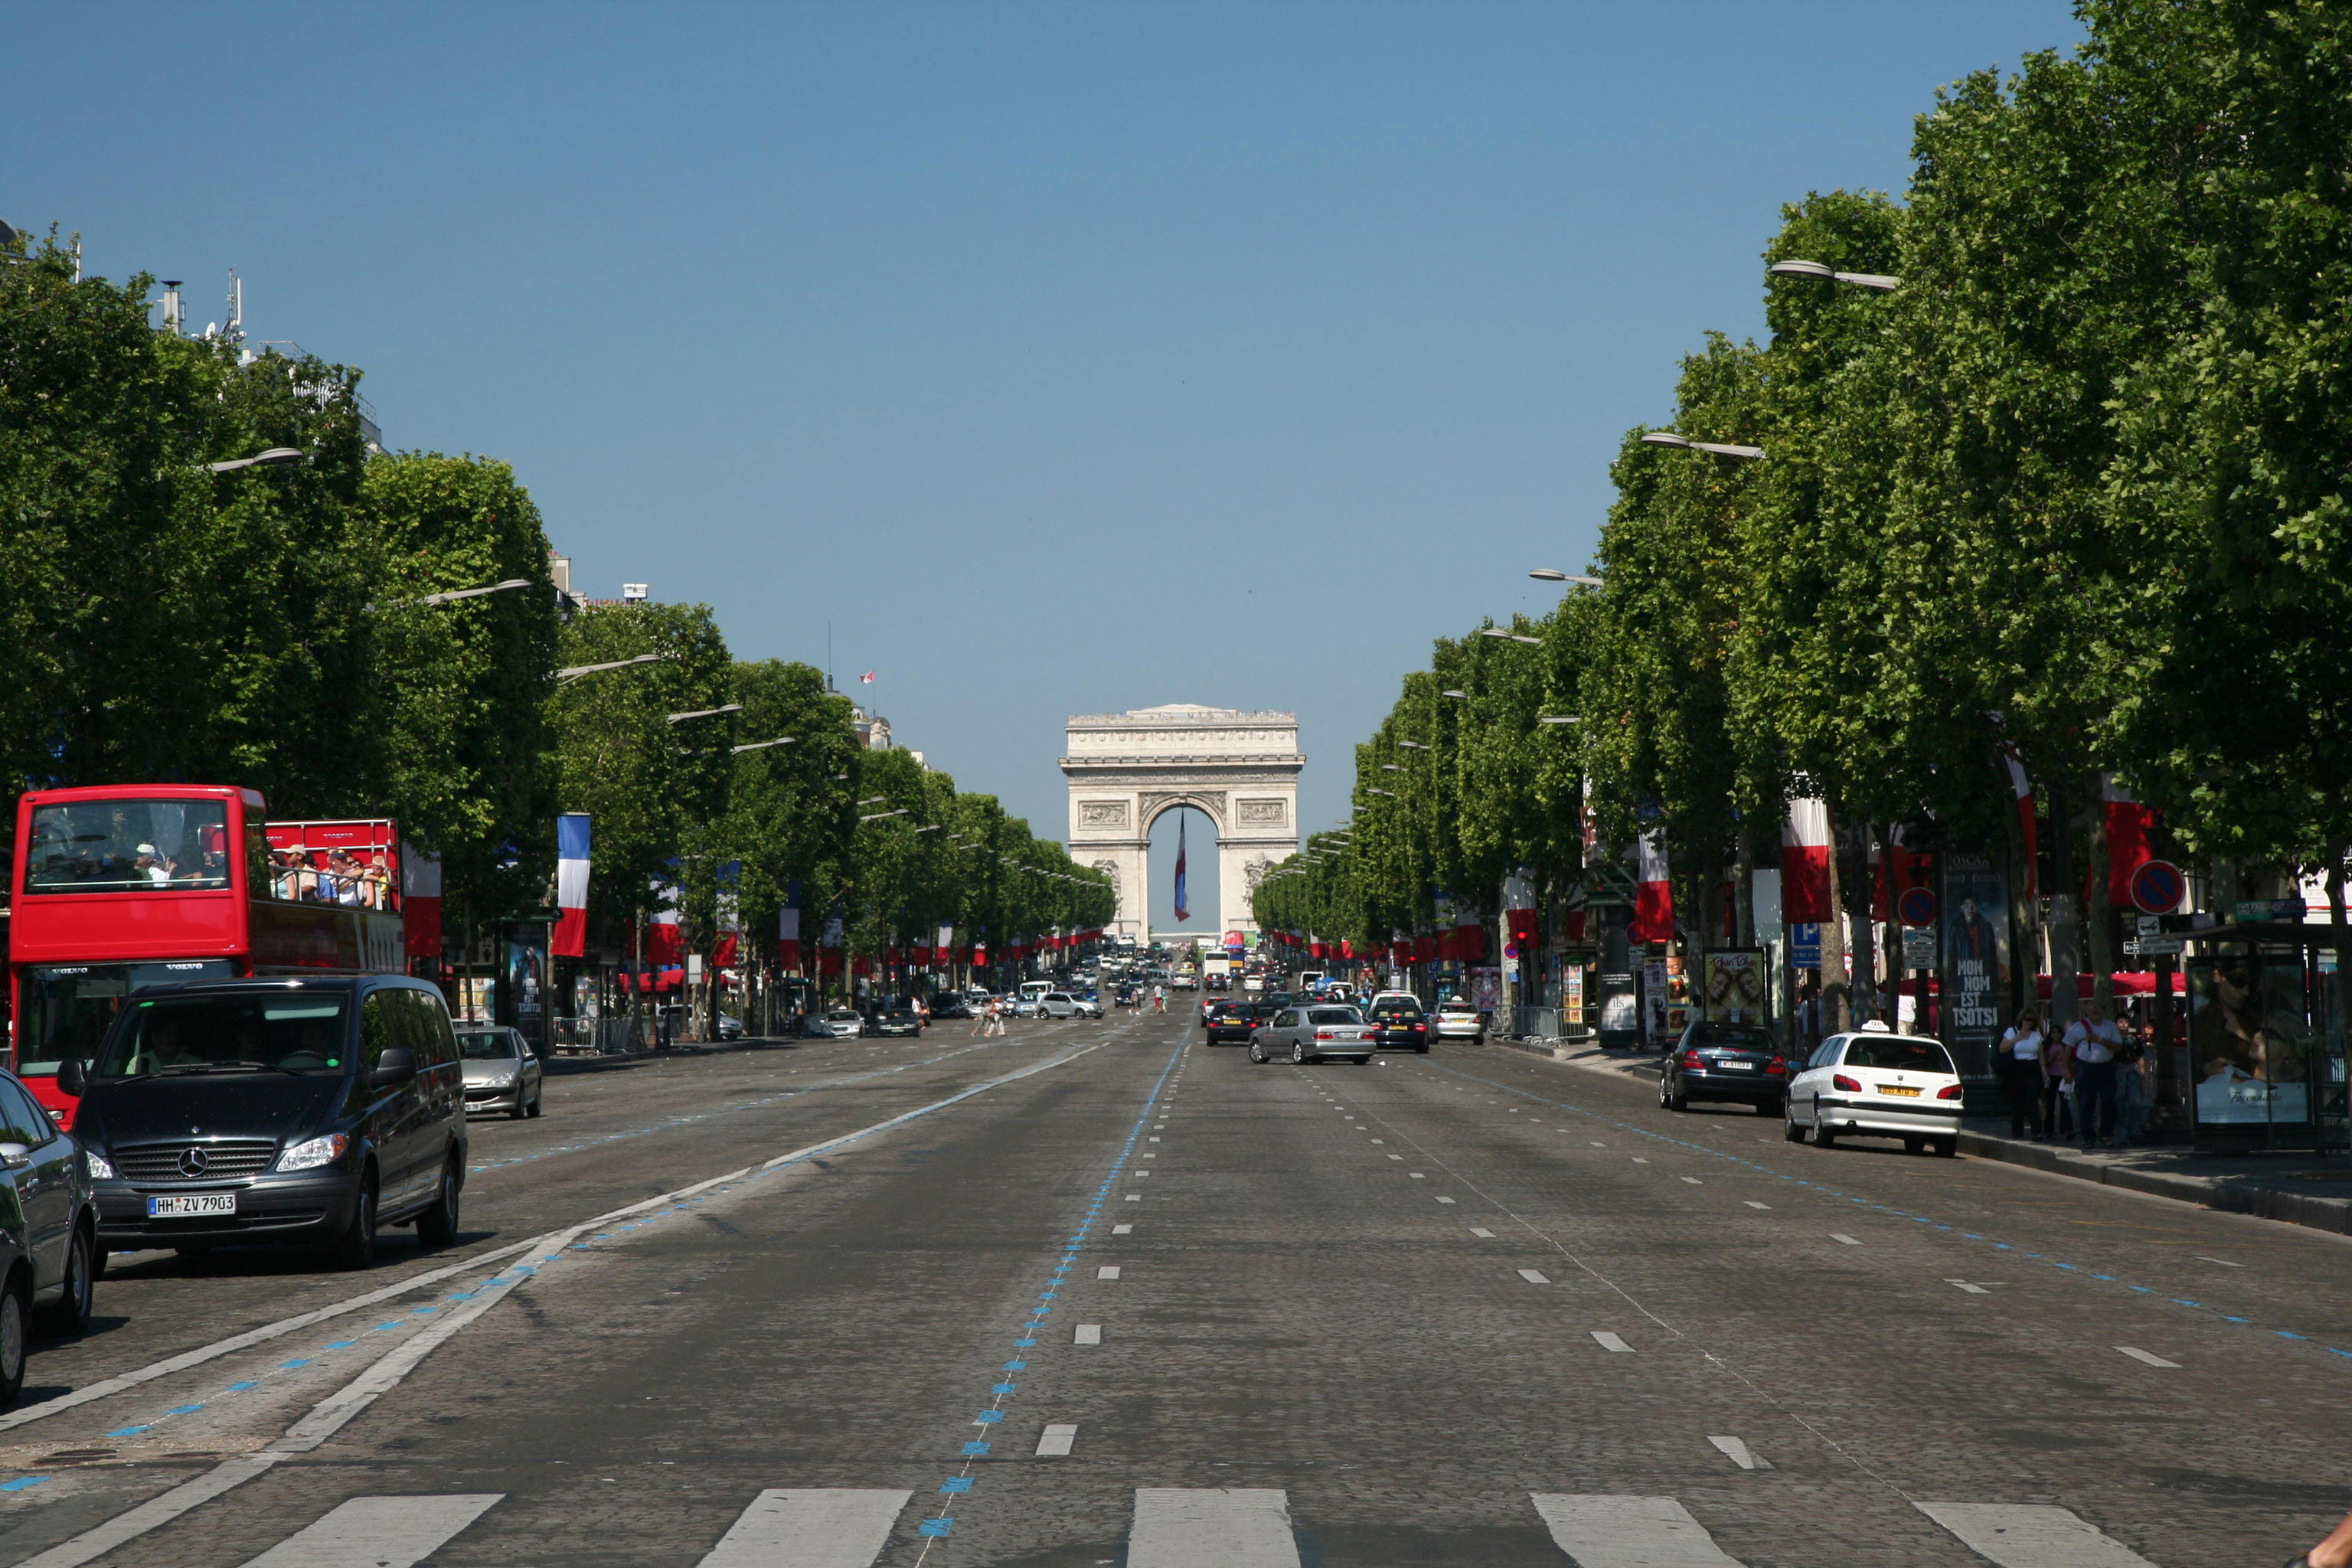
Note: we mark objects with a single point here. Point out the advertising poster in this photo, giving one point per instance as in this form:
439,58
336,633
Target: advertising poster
2250,1042
1976,975
1732,988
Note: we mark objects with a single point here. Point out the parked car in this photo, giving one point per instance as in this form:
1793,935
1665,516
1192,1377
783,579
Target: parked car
837,1024
226,1113
902,1022
1400,1023
1229,1022
1459,1020
49,1260
500,1072
1878,1084
1735,1063
1305,1035
729,1027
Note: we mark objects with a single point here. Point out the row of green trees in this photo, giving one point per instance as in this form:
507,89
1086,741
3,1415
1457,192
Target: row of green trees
2077,485
271,625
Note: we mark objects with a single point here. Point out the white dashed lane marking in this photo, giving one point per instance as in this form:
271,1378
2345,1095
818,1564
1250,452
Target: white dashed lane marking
1481,1230
1629,1532
2029,1535
1847,1240
808,1528
1534,1276
1971,1289
1055,1441
1740,1454
1108,1271
1754,1204
1610,1342
379,1532
2151,1357
1088,1334
1122,1230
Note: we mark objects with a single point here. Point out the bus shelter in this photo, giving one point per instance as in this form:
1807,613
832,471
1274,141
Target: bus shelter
2266,1050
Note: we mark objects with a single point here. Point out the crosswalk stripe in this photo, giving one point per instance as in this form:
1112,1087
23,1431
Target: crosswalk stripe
1221,1527
812,1527
2031,1535
1610,1532
1057,1440
378,1531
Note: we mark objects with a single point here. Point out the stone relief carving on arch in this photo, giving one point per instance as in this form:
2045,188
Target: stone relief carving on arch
1102,814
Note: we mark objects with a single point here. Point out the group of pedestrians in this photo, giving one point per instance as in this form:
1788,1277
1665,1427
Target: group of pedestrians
2088,1079
990,1019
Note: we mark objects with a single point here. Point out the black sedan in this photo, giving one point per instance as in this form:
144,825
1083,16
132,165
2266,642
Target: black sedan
1228,1023
1736,1063
1402,1026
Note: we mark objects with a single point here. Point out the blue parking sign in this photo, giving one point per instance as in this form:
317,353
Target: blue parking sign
1805,945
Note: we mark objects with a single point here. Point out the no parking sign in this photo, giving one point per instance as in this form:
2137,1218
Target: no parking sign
1915,906
2157,887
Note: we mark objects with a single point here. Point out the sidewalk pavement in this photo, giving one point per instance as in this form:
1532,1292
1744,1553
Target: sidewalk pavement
2292,1188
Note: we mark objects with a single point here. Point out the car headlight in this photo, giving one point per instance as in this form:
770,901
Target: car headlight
99,1169
317,1151
498,1079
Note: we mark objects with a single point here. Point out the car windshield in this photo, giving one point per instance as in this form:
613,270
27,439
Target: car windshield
1731,1037
1455,1007
295,1032
1396,1009
1893,1052
128,847
485,1045
1334,1016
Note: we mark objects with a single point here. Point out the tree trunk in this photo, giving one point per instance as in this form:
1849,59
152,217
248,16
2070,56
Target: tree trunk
1853,848
1834,991
2065,935
2342,934
2101,917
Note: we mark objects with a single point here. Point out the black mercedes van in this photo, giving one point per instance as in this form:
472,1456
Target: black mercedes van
236,1112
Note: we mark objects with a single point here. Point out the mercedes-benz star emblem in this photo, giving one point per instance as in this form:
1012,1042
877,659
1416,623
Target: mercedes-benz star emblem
193,1163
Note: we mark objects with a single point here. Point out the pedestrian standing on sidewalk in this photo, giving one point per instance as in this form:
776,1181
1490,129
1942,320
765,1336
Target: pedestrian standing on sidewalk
2057,1087
2093,1042
2131,1087
2021,1073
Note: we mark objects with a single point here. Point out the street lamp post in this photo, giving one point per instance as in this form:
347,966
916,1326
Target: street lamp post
1720,449
1550,574
272,458
1878,281
574,672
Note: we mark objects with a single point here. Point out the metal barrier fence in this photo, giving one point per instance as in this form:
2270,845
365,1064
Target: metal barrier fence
604,1036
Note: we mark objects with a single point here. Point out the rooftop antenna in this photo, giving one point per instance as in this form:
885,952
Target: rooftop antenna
172,305
236,305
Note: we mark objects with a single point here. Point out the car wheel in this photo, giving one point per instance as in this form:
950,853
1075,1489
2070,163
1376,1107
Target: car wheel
539,1103
68,1315
1422,1050
1913,1145
521,1109
1674,1100
16,1332
356,1249
438,1226
1946,1147
1257,1052
1822,1136
1297,1054
1791,1129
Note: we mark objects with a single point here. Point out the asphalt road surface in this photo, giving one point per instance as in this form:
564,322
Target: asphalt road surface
1096,1294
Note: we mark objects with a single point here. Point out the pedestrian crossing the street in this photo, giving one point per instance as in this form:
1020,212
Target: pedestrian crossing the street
1173,1527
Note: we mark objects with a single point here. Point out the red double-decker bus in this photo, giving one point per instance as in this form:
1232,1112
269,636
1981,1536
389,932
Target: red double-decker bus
120,885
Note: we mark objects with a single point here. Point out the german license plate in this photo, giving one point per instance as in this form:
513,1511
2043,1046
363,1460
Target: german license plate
192,1204
1899,1090
1737,1067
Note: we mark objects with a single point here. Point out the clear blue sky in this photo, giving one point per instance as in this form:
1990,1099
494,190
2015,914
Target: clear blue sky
1067,358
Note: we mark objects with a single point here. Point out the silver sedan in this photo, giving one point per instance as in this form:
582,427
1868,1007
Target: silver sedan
1309,1034
501,1072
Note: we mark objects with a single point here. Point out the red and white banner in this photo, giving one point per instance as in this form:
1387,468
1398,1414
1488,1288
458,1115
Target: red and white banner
663,943
788,938
2128,826
420,901
1653,895
1805,863
569,937
2022,788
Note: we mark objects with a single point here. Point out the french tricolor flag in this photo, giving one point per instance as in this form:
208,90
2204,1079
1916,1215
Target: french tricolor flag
570,936
1653,895
1805,863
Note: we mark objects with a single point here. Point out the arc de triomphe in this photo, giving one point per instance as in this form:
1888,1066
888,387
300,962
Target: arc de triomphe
1240,770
